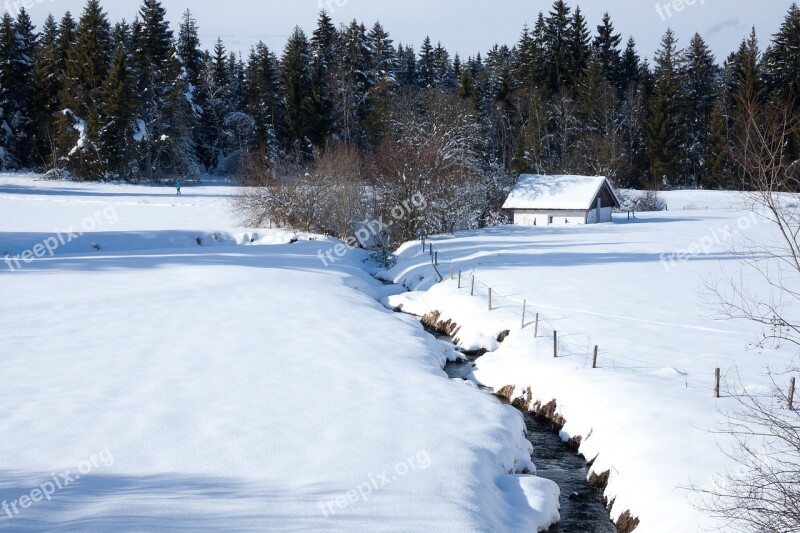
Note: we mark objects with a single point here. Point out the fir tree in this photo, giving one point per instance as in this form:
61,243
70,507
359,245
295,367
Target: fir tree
118,111
745,79
188,48
296,76
719,171
168,147
556,43
263,99
87,64
407,74
781,65
382,52
579,41
700,75
47,84
630,65
606,45
664,126
426,68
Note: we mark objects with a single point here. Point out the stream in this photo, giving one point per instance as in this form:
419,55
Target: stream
582,507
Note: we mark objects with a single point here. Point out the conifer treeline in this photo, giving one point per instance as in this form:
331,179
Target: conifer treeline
140,101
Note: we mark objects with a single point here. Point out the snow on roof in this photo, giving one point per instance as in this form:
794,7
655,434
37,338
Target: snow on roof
534,191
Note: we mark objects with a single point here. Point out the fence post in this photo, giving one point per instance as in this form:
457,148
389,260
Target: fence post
792,383
490,298
536,330
594,361
524,308
472,292
717,379
555,344
436,259
431,249
459,278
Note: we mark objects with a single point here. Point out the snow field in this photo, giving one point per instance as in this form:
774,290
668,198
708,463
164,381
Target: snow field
644,413
236,387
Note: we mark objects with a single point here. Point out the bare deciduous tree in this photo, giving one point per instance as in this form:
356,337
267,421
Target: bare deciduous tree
763,492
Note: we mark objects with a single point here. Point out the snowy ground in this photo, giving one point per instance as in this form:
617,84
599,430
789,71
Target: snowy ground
163,372
642,414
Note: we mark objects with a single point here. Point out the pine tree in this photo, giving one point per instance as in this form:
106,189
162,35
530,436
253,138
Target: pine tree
719,171
407,75
296,76
700,76
781,66
606,45
87,64
8,104
579,39
745,75
188,48
167,149
664,127
118,111
382,52
556,43
17,94
528,58
630,66
356,80
426,68
47,74
263,99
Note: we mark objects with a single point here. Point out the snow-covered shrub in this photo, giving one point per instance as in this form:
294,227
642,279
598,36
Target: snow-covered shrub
57,174
641,201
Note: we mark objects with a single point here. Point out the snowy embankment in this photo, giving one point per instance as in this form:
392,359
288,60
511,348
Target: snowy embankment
642,414
150,383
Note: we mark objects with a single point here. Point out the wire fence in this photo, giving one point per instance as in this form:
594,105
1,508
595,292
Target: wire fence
567,345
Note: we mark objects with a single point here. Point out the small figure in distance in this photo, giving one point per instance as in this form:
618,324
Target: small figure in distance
178,187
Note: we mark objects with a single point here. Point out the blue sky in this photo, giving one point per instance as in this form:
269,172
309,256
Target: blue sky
465,26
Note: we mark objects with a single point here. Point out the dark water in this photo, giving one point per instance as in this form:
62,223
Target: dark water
582,507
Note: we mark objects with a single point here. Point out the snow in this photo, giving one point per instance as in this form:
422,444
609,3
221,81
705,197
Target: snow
81,127
555,192
139,130
229,386
637,289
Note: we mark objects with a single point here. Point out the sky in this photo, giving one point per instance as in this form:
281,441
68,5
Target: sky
463,26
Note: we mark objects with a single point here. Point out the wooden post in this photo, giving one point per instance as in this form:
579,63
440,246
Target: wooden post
717,379
459,278
472,292
555,344
594,361
490,298
524,308
431,249
792,384
536,330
